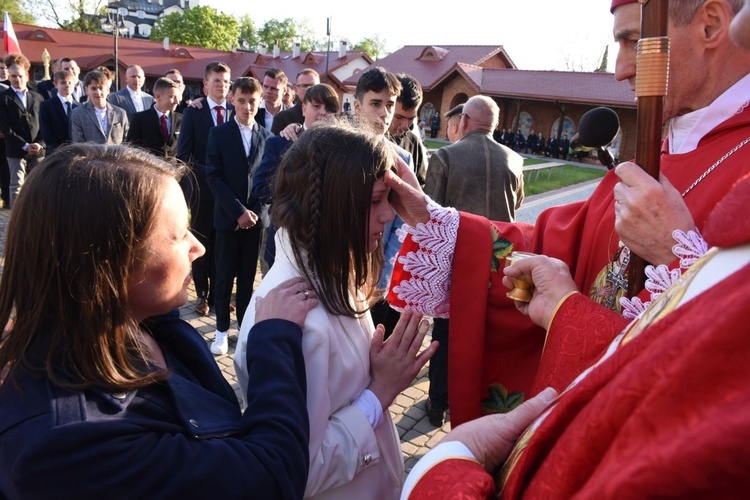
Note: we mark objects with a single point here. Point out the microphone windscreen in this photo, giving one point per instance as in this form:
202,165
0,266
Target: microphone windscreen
598,127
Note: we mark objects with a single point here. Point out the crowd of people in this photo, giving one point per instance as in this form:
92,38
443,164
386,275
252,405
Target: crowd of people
583,390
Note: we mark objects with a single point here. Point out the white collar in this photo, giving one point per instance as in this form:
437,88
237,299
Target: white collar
686,131
64,100
212,104
249,128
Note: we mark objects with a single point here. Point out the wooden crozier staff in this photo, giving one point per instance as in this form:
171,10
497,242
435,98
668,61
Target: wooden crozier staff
652,72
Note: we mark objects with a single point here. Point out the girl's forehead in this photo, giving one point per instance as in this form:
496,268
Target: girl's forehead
379,187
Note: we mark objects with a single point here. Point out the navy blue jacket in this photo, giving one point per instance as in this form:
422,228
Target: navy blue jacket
55,124
229,171
184,438
191,148
263,179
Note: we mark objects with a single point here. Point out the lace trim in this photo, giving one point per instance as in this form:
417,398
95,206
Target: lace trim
428,289
689,248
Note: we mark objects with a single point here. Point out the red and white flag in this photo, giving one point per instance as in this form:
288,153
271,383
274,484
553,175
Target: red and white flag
11,42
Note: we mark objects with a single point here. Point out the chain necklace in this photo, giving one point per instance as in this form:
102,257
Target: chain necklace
690,188
712,167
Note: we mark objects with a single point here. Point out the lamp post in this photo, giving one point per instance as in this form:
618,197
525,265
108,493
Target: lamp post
116,25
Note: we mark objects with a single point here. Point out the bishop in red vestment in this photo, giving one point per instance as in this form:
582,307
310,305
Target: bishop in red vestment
494,353
664,413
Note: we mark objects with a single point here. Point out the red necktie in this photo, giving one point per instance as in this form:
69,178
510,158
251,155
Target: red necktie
219,115
164,130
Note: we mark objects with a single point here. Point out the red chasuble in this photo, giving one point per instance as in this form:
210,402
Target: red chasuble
491,342
666,415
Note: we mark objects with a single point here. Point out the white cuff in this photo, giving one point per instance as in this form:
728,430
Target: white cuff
440,453
370,405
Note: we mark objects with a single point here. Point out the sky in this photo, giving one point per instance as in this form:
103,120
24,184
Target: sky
536,34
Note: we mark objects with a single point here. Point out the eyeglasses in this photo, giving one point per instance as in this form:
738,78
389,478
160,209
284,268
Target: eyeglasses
304,85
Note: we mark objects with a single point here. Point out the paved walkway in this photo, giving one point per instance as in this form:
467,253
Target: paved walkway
408,411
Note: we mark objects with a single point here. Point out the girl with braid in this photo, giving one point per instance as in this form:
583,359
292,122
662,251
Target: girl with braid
331,205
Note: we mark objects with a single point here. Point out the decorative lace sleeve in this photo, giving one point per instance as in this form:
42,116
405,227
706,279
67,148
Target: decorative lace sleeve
690,247
425,286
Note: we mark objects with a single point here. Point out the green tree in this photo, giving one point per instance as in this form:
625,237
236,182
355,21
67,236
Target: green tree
18,13
199,27
75,15
372,46
284,33
248,33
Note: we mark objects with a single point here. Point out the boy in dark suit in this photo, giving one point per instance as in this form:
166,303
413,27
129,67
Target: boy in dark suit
233,154
191,149
19,123
55,112
158,128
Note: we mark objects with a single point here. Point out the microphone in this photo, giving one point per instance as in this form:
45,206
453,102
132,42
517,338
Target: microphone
598,127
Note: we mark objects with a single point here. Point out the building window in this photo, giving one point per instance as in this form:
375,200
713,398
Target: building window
140,14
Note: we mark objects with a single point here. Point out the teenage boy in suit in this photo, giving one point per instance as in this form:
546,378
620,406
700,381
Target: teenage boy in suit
233,154
158,128
97,120
191,149
55,112
19,123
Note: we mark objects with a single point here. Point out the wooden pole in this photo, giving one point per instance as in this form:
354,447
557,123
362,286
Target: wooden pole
652,71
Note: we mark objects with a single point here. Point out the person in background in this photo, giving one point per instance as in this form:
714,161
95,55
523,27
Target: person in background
97,120
233,152
305,79
157,128
132,98
19,123
55,112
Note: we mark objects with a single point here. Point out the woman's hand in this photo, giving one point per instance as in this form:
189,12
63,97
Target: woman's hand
552,281
290,300
407,198
395,363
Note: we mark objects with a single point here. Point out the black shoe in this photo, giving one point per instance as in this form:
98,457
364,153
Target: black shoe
434,415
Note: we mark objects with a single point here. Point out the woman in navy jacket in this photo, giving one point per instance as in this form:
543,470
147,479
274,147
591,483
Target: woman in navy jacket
104,391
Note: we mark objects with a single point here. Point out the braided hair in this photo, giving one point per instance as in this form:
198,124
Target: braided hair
322,196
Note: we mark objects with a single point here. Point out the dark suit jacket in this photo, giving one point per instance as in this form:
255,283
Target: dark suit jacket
55,123
263,179
145,132
230,172
260,117
286,117
44,88
19,125
191,149
122,99
78,92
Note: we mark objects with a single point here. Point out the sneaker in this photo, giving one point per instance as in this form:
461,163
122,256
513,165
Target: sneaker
201,307
434,415
220,345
